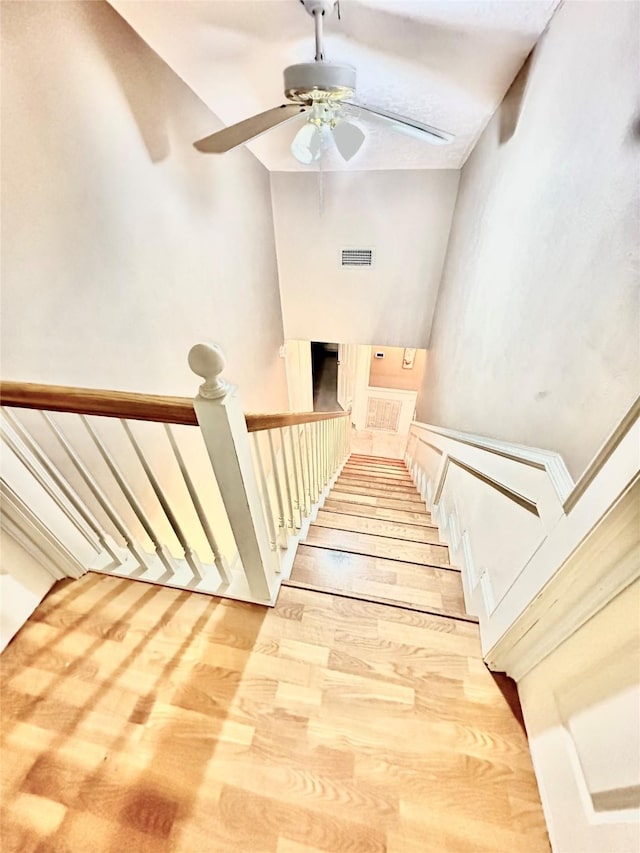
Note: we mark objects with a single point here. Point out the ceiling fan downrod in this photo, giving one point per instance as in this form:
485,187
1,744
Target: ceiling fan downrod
318,9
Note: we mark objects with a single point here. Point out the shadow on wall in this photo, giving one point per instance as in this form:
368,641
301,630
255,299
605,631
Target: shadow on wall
154,93
164,108
142,76
513,101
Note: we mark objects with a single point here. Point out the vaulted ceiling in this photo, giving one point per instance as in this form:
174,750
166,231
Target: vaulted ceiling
447,63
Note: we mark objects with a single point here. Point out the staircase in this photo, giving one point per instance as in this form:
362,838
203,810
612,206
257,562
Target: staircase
373,540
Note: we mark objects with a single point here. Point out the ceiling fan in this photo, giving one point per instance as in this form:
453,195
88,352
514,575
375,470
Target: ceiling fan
323,90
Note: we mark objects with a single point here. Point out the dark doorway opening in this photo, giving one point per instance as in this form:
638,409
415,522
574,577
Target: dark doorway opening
324,368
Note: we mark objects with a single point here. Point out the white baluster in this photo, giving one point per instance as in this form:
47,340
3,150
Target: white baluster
316,457
287,480
224,429
190,556
62,484
161,550
221,563
282,527
308,460
296,481
266,498
325,447
298,433
139,555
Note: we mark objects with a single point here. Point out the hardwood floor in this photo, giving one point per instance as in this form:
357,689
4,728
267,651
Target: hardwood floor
141,718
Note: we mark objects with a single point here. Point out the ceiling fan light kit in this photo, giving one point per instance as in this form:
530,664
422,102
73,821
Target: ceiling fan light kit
324,92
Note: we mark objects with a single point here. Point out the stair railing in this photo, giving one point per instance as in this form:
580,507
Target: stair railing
141,495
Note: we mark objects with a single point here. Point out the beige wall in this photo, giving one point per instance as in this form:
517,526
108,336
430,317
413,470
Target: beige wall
388,372
122,246
535,335
403,215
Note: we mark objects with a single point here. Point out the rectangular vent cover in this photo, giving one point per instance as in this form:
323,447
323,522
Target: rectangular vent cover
357,257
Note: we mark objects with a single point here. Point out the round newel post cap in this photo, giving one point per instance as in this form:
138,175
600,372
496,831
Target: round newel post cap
207,360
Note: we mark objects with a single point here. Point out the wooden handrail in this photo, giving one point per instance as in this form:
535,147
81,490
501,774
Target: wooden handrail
255,423
140,407
89,401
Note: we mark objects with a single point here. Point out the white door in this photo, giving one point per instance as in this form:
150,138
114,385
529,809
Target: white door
346,374
299,378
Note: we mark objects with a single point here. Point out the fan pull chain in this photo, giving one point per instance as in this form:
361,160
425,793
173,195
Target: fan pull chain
321,183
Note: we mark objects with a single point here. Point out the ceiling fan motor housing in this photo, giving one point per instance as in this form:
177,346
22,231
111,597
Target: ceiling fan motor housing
318,81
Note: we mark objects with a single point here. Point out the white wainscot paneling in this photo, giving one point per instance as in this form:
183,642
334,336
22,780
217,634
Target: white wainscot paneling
582,709
504,501
503,534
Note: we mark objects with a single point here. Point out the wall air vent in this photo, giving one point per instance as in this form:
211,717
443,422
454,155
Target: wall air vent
357,258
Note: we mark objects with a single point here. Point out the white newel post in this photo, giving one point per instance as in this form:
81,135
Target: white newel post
224,430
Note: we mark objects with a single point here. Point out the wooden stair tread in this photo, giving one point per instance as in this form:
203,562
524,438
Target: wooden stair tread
391,481
400,473
422,519
377,599
374,492
385,472
379,527
391,473
364,497
375,577
386,460
378,546
376,482
374,541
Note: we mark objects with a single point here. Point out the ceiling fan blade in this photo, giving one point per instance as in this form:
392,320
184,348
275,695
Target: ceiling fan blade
348,138
407,125
243,131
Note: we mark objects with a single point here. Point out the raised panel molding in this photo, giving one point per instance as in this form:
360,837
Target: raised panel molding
603,565
20,523
527,477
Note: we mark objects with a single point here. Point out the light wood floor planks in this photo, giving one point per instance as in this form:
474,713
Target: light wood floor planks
140,718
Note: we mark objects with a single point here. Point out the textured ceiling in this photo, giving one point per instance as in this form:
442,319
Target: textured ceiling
444,62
